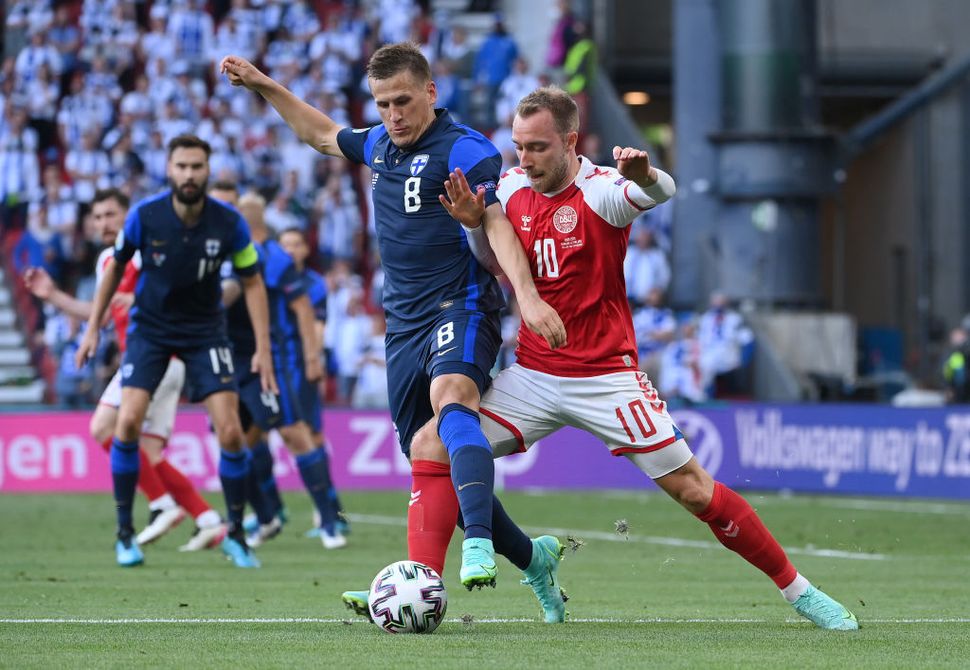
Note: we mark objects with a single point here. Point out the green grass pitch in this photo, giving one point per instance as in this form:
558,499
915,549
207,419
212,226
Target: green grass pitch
664,595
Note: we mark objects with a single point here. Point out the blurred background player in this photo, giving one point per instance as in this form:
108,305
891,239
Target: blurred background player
443,308
294,243
594,382
296,361
183,237
170,494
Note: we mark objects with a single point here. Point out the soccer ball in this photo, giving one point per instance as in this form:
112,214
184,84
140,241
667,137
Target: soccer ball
407,597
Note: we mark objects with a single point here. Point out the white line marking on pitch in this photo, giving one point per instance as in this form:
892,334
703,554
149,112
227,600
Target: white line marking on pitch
645,539
486,620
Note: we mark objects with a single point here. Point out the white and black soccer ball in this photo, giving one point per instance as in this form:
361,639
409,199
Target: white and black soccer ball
407,597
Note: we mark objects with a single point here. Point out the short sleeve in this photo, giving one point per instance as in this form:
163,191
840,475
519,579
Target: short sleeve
480,161
129,239
357,144
290,284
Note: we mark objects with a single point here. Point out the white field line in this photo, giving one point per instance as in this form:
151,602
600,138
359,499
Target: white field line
861,504
485,620
643,539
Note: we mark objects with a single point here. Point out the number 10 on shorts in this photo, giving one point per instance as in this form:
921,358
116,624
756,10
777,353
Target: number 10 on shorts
640,415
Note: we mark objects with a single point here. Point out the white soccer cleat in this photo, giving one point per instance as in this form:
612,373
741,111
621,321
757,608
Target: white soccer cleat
161,522
205,538
332,541
266,531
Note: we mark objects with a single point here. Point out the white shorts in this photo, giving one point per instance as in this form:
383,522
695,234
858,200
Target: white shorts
622,409
160,418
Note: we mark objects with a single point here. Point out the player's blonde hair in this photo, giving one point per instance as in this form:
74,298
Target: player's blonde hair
252,198
560,104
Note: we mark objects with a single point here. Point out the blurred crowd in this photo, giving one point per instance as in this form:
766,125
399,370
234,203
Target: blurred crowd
92,90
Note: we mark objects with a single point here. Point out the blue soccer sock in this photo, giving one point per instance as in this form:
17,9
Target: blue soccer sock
254,494
124,478
509,540
233,472
315,471
472,468
262,464
334,498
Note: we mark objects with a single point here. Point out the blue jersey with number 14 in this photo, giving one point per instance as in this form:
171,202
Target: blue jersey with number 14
428,267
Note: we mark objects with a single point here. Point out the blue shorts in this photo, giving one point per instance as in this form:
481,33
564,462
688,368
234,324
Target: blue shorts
460,341
208,366
267,410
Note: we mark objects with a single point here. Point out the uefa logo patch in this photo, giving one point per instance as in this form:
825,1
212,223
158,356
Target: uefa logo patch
418,163
565,219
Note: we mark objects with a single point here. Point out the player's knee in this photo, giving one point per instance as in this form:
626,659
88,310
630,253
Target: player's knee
427,446
100,429
230,435
128,425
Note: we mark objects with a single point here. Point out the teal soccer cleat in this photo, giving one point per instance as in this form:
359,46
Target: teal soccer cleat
477,563
543,576
357,601
824,612
240,554
127,551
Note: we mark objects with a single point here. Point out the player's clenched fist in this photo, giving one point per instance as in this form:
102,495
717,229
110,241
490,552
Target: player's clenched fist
240,72
634,164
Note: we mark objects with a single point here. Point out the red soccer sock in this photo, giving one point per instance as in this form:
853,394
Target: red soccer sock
181,489
737,526
432,513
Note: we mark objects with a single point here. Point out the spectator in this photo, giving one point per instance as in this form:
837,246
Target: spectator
579,68
494,61
65,37
40,245
339,221
370,391
645,267
88,167
58,200
955,372
722,336
655,327
42,94
563,36
682,378
191,31
457,50
19,179
37,53
516,86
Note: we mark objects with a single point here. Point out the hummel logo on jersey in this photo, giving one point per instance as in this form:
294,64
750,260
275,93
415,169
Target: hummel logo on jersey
598,173
415,496
418,163
526,222
445,351
212,247
461,487
731,529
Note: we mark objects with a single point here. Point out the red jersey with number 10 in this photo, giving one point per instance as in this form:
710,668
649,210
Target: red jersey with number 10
127,285
576,241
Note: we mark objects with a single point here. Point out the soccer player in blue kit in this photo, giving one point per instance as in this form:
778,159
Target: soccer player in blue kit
184,237
442,306
294,243
296,361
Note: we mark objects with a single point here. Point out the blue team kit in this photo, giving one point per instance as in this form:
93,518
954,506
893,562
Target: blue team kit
442,306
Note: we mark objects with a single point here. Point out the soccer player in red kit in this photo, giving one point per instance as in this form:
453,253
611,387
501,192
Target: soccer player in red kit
573,219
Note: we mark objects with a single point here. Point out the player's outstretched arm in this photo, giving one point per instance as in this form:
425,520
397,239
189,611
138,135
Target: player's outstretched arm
102,297
255,292
40,284
310,125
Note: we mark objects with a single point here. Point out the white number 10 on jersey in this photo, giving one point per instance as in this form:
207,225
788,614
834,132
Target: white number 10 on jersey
546,259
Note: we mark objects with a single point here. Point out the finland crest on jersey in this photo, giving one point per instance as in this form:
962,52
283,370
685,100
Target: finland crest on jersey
212,247
418,163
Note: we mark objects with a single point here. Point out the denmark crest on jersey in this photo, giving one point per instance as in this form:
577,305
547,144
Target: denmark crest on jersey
565,219
418,163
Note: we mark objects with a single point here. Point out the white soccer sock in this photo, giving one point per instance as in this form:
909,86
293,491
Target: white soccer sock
208,518
162,503
798,586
